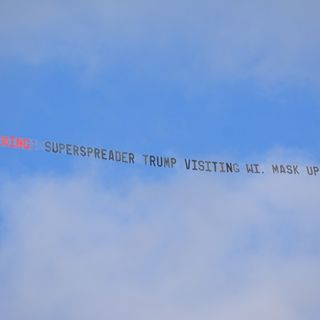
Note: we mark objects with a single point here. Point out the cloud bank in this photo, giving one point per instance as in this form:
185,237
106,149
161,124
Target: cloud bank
190,248
271,41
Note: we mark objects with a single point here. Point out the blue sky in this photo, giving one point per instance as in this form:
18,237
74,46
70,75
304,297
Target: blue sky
237,81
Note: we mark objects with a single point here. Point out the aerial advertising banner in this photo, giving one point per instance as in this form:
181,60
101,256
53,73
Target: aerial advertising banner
155,161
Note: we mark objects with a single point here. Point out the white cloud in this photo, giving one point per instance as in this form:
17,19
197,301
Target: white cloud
196,247
271,41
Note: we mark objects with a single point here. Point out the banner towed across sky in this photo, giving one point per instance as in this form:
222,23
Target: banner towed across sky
170,162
